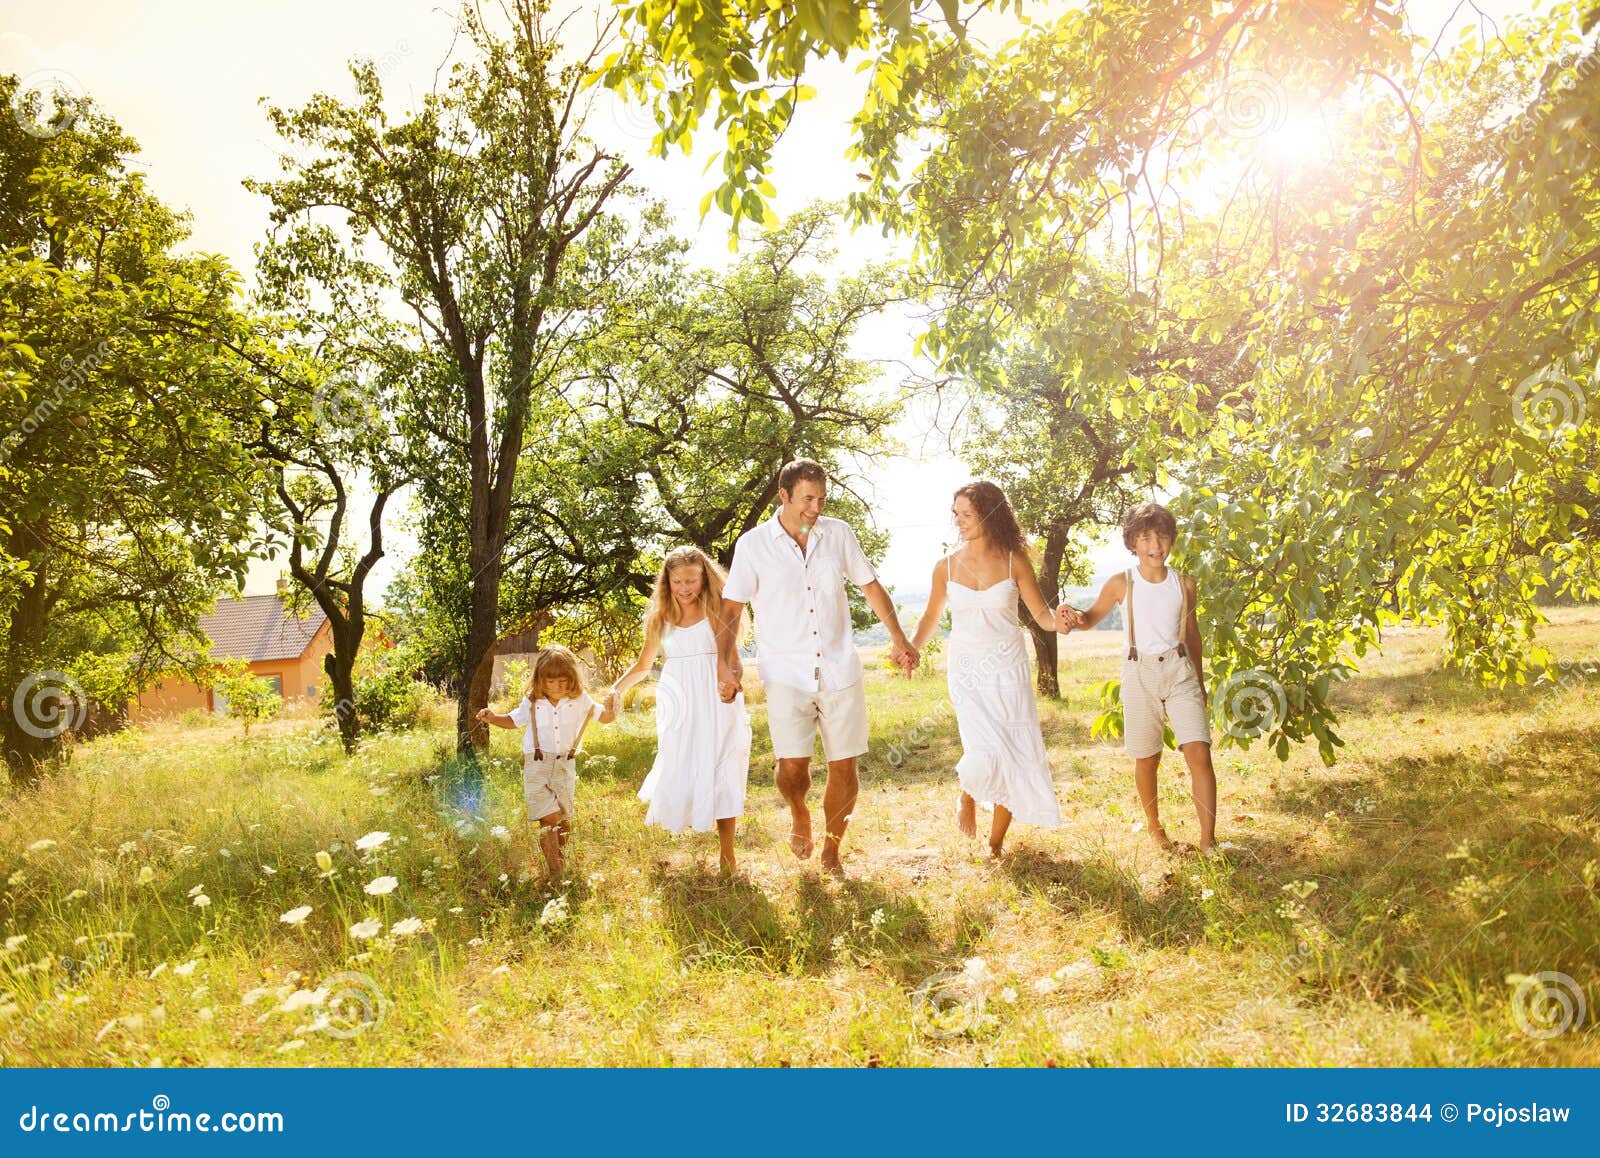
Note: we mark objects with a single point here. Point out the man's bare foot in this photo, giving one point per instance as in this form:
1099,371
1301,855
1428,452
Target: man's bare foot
728,868
996,851
800,834
967,816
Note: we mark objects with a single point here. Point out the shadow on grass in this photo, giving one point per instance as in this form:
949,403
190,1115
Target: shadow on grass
1463,872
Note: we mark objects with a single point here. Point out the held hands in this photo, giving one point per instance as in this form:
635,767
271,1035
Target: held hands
729,677
1069,618
907,658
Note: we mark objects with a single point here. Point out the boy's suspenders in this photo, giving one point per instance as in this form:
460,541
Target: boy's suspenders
538,753
582,728
1183,615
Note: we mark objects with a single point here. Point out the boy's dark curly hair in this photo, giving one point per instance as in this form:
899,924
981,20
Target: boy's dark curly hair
1150,517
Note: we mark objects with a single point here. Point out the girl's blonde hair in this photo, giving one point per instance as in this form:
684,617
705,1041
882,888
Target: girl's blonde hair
663,609
553,662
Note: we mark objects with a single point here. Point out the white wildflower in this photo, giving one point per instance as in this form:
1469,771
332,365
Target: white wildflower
555,911
406,927
380,886
202,902
186,968
41,845
367,929
372,840
296,916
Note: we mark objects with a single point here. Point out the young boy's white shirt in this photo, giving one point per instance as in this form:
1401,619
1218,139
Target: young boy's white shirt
552,728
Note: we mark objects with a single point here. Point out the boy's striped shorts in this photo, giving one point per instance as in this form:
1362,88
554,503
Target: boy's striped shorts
1157,688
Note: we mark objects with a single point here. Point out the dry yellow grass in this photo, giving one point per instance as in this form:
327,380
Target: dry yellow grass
1366,914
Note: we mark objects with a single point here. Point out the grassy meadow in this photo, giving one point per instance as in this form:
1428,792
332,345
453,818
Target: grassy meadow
1379,912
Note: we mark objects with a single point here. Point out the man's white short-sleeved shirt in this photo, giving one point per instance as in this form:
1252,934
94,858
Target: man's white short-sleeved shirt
803,634
556,725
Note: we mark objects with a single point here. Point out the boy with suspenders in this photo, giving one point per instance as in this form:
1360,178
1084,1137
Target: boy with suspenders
1162,678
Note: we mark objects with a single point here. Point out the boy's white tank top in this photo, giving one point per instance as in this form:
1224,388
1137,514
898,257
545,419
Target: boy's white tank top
1156,607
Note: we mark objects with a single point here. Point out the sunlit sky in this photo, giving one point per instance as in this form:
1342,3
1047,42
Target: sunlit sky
184,78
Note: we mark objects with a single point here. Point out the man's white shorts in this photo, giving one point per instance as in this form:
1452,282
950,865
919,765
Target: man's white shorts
1157,688
549,785
794,717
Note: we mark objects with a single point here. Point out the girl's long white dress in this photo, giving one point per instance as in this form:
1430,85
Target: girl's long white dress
1003,759
702,760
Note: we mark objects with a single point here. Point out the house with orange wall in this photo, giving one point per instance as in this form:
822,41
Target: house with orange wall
280,648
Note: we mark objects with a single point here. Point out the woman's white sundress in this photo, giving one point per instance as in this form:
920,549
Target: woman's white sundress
1003,759
702,760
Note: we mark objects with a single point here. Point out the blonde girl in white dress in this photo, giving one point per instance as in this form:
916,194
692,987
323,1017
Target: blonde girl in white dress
1003,760
702,760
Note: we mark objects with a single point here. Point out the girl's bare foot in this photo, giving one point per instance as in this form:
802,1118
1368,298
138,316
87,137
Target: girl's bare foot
1163,841
967,816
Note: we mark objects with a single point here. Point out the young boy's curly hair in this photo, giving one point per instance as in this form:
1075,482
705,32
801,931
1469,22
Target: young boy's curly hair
1150,517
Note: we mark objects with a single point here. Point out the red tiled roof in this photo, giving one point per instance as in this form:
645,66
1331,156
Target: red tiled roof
256,628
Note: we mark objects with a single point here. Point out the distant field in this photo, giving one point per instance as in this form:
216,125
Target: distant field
1381,912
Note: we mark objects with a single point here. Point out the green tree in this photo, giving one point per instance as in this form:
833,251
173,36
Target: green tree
251,699
126,491
476,208
329,438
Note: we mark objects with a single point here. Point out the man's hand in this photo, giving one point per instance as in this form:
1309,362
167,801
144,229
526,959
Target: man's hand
729,677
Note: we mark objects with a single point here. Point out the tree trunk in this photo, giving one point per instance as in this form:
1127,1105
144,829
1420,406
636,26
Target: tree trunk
339,664
33,712
1045,649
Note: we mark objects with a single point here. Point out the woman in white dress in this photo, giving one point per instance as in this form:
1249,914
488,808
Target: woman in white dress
702,760
1003,760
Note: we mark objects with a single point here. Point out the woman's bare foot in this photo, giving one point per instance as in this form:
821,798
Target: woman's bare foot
800,834
967,816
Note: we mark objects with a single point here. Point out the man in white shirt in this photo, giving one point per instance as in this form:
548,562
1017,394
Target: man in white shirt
792,570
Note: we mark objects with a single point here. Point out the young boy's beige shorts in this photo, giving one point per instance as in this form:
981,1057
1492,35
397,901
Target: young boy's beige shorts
795,716
1157,688
549,785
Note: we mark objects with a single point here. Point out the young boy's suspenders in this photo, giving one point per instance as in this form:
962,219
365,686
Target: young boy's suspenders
1183,614
538,752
